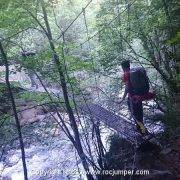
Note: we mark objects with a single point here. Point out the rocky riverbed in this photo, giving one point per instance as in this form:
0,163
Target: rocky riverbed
49,153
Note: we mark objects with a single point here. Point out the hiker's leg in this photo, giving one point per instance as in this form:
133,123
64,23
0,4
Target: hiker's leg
130,107
138,115
138,111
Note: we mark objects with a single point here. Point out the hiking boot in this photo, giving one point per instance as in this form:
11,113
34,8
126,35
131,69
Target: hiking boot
138,128
141,128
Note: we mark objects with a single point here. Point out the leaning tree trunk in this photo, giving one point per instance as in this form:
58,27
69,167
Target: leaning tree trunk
65,94
5,61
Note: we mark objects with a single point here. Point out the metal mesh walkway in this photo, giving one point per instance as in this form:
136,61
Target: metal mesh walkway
119,124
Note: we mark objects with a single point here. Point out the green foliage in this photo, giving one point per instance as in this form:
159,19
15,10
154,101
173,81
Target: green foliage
35,96
15,84
2,89
77,64
40,97
38,61
14,17
175,39
5,119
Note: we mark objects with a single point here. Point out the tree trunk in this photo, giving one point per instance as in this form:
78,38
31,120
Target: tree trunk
5,60
65,94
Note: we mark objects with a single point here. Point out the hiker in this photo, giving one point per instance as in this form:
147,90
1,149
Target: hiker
137,89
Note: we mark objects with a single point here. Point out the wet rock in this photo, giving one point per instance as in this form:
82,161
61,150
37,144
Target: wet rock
31,113
157,115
